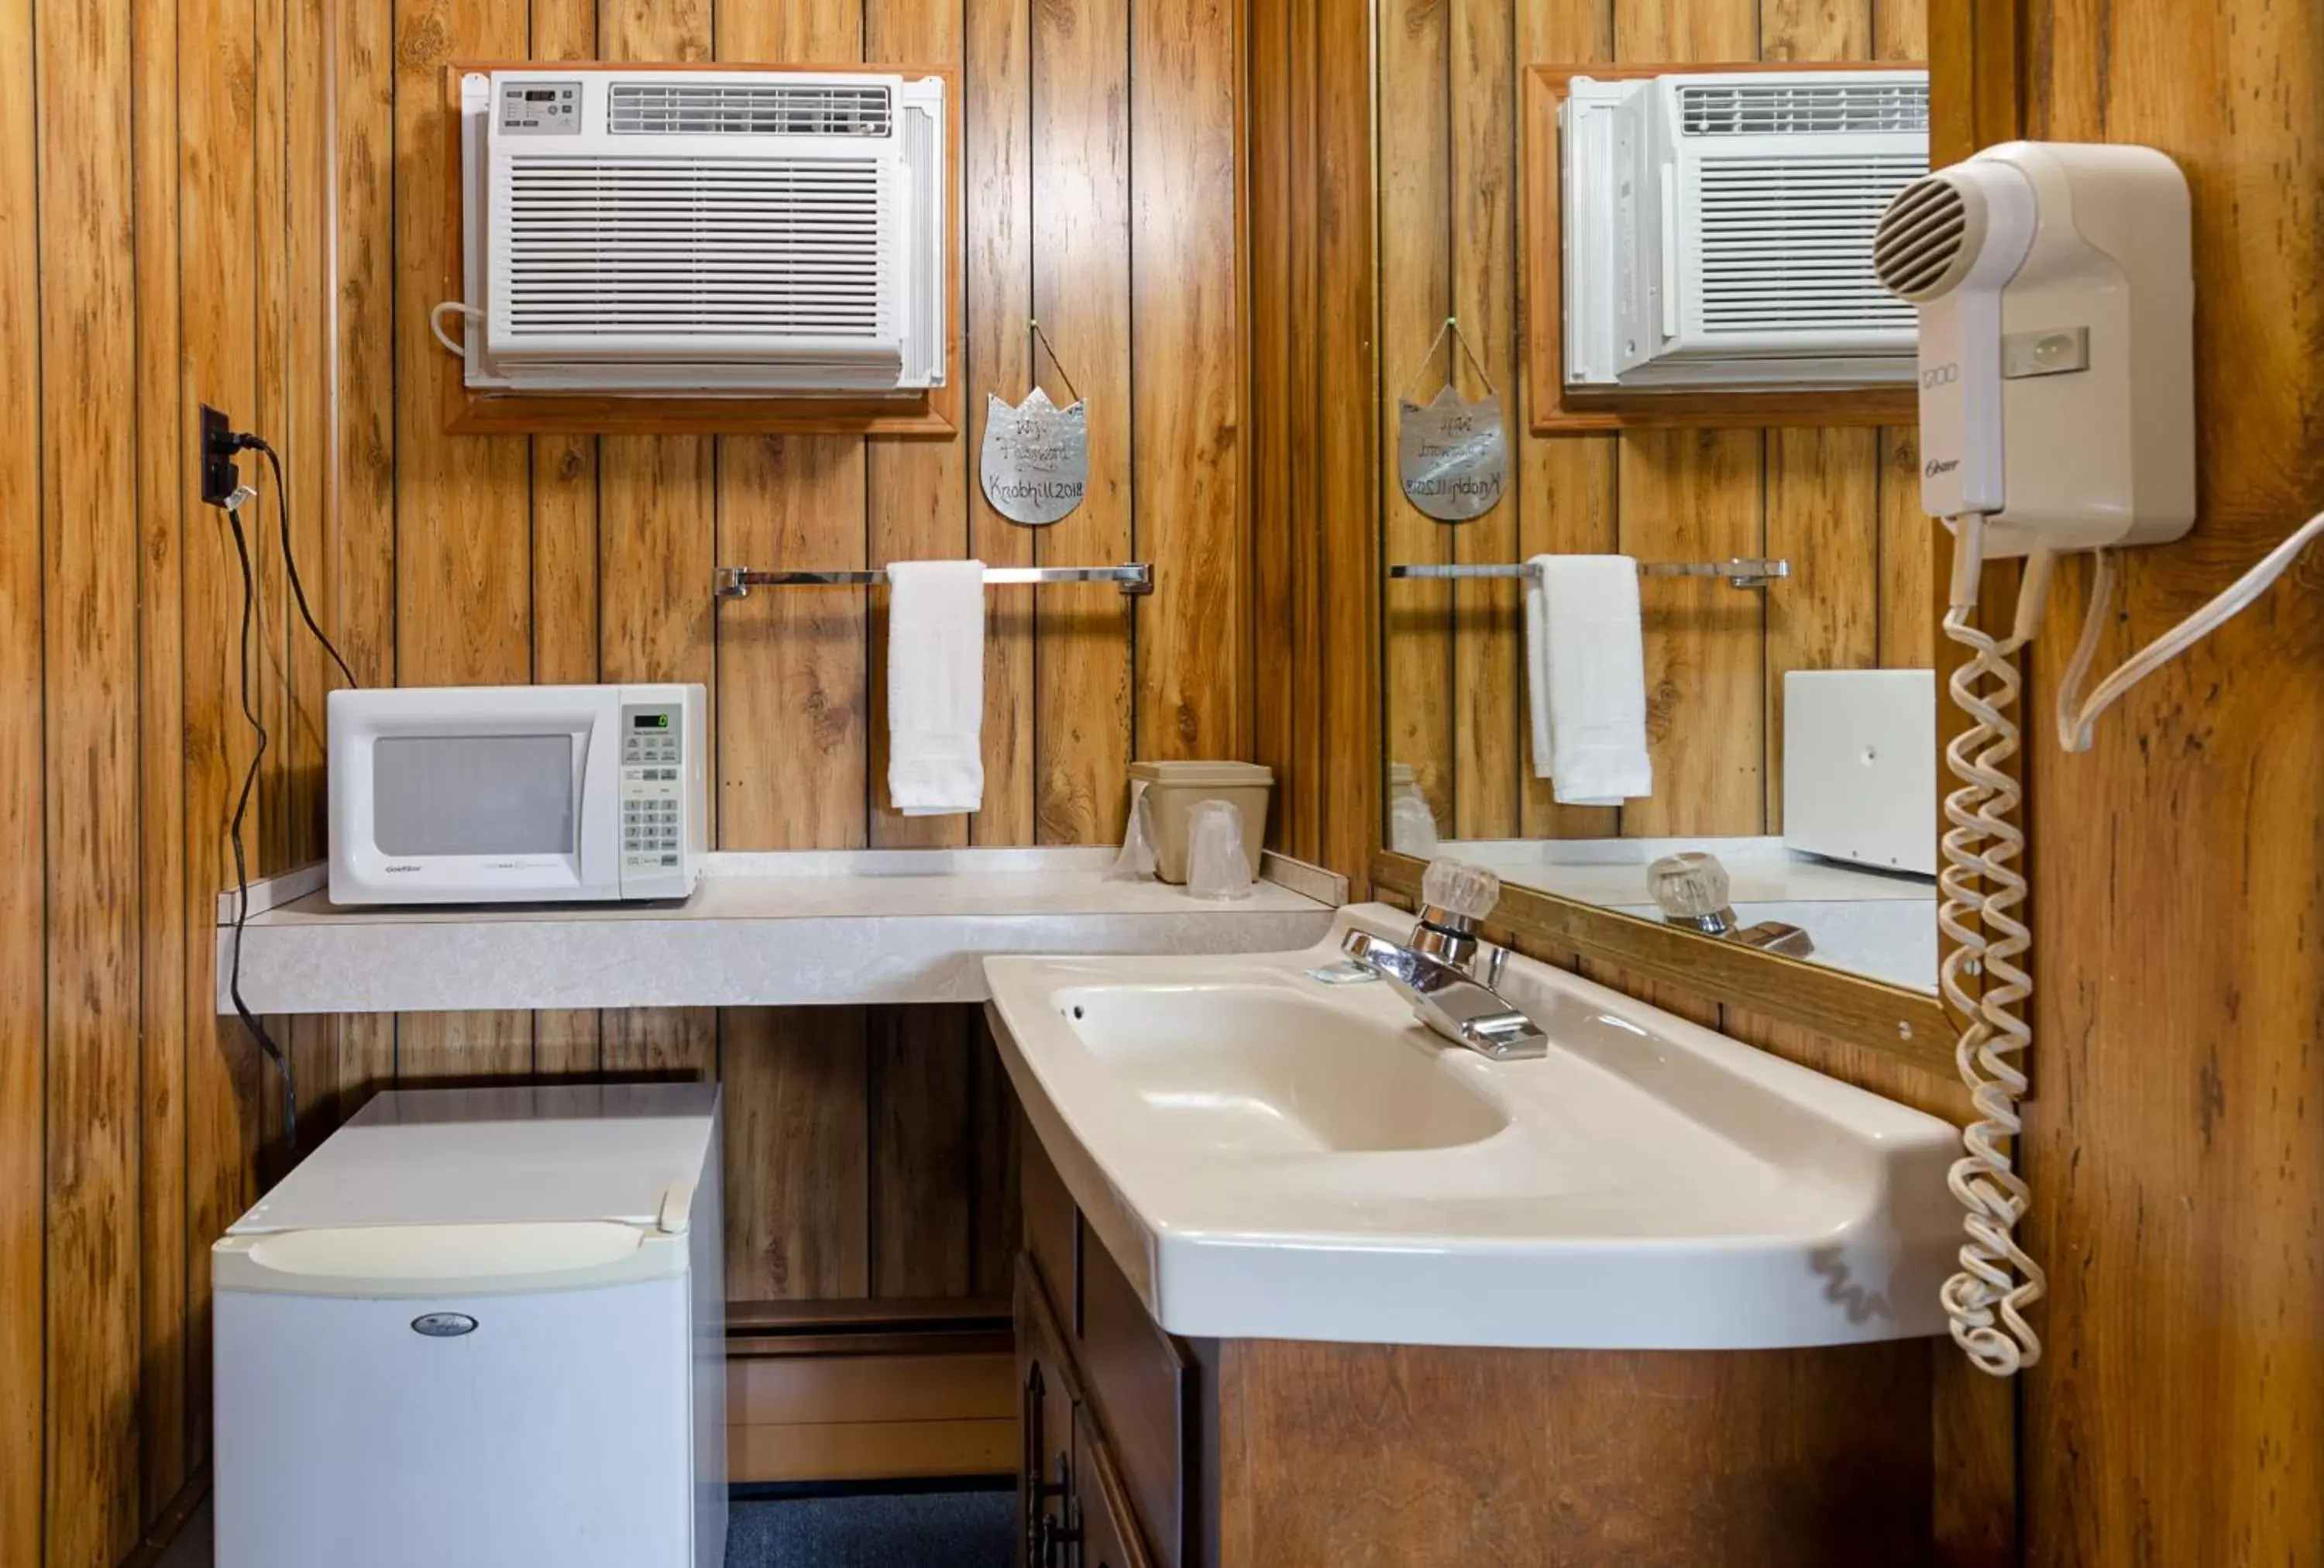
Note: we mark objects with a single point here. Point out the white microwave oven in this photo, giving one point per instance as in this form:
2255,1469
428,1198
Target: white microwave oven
516,794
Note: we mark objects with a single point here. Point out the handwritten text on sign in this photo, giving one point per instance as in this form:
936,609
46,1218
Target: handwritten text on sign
1451,456
1036,457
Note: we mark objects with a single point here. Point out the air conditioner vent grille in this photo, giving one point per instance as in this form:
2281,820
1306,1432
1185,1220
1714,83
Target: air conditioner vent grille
679,109
753,246
1800,109
1786,243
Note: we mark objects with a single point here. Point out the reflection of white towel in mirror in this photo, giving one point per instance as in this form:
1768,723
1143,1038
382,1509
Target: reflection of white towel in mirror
1586,679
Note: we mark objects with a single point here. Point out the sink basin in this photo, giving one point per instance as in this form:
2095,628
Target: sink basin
1269,1151
1250,1069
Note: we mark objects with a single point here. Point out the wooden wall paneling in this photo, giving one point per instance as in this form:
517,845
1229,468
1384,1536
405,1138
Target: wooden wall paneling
797,1199
90,536
218,218
266,311
794,665
359,480
303,421
1565,495
917,491
1909,553
1080,155
998,183
1691,495
1347,498
23,818
2178,866
1696,496
1414,294
1187,419
1822,494
161,816
993,1127
1909,557
1283,276
1824,517
463,535
1487,639
922,1194
665,1042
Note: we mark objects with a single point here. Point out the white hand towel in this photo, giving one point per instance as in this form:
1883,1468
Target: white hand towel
936,686
1586,679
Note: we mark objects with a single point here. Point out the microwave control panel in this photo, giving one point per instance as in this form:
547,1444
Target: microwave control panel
653,789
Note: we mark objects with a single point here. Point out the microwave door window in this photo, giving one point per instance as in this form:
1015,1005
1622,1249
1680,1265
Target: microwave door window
441,794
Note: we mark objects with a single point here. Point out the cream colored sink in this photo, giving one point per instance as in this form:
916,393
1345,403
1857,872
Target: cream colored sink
1271,1155
1253,1069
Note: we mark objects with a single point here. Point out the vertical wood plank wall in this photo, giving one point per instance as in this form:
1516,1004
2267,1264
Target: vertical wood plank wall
258,224
1841,505
2175,1141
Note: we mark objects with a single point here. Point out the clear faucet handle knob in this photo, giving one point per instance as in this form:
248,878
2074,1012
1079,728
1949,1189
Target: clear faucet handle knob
1690,885
1458,889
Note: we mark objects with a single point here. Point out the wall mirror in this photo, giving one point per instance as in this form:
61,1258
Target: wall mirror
1785,631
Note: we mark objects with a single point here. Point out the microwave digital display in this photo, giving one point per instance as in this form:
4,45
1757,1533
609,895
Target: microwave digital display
472,795
651,722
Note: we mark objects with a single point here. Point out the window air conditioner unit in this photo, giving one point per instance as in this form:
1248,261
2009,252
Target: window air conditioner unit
1718,229
743,233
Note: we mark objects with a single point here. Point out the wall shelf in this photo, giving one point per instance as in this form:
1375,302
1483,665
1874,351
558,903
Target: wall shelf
804,928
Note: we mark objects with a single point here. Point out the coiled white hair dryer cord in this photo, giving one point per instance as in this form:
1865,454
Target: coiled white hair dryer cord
1981,888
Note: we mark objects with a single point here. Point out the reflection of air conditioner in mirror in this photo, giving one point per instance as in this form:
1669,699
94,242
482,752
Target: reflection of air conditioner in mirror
1717,228
743,233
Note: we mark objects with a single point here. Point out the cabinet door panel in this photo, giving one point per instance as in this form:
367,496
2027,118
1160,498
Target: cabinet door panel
1109,1535
1045,1382
1141,1387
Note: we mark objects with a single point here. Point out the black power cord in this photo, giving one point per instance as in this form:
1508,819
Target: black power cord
250,1020
226,446
290,560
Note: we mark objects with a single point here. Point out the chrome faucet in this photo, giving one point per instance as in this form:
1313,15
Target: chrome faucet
1437,969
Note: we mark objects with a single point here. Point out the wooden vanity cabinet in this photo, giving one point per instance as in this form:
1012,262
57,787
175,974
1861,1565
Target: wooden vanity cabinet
1143,1450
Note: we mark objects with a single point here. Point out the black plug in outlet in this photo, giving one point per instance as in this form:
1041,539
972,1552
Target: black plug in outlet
220,477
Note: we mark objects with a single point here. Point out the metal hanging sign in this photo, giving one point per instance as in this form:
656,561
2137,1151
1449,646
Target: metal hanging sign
1035,460
1453,456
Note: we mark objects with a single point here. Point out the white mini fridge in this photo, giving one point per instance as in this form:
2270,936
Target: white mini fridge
481,1328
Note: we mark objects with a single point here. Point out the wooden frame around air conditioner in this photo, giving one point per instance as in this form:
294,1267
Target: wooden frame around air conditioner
1552,410
934,413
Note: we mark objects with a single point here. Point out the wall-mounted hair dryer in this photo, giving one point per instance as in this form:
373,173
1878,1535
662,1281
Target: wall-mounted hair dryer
2056,289
2055,283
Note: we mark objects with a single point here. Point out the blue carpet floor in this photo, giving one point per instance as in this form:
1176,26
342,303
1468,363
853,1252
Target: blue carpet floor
925,1530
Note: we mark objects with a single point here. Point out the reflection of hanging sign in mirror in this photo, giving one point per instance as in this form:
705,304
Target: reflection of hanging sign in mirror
1451,456
1034,458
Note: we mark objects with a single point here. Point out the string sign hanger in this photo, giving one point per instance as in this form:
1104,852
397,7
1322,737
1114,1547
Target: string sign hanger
1452,456
1035,460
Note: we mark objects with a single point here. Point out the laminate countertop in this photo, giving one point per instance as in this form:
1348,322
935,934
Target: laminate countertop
760,930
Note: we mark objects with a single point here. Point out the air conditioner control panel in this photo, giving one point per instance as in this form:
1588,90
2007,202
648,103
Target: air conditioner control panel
540,109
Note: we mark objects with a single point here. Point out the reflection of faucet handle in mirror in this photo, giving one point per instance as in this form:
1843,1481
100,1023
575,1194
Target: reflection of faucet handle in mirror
1692,889
1217,867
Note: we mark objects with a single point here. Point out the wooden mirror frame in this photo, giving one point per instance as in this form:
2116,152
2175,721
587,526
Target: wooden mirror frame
1910,1025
